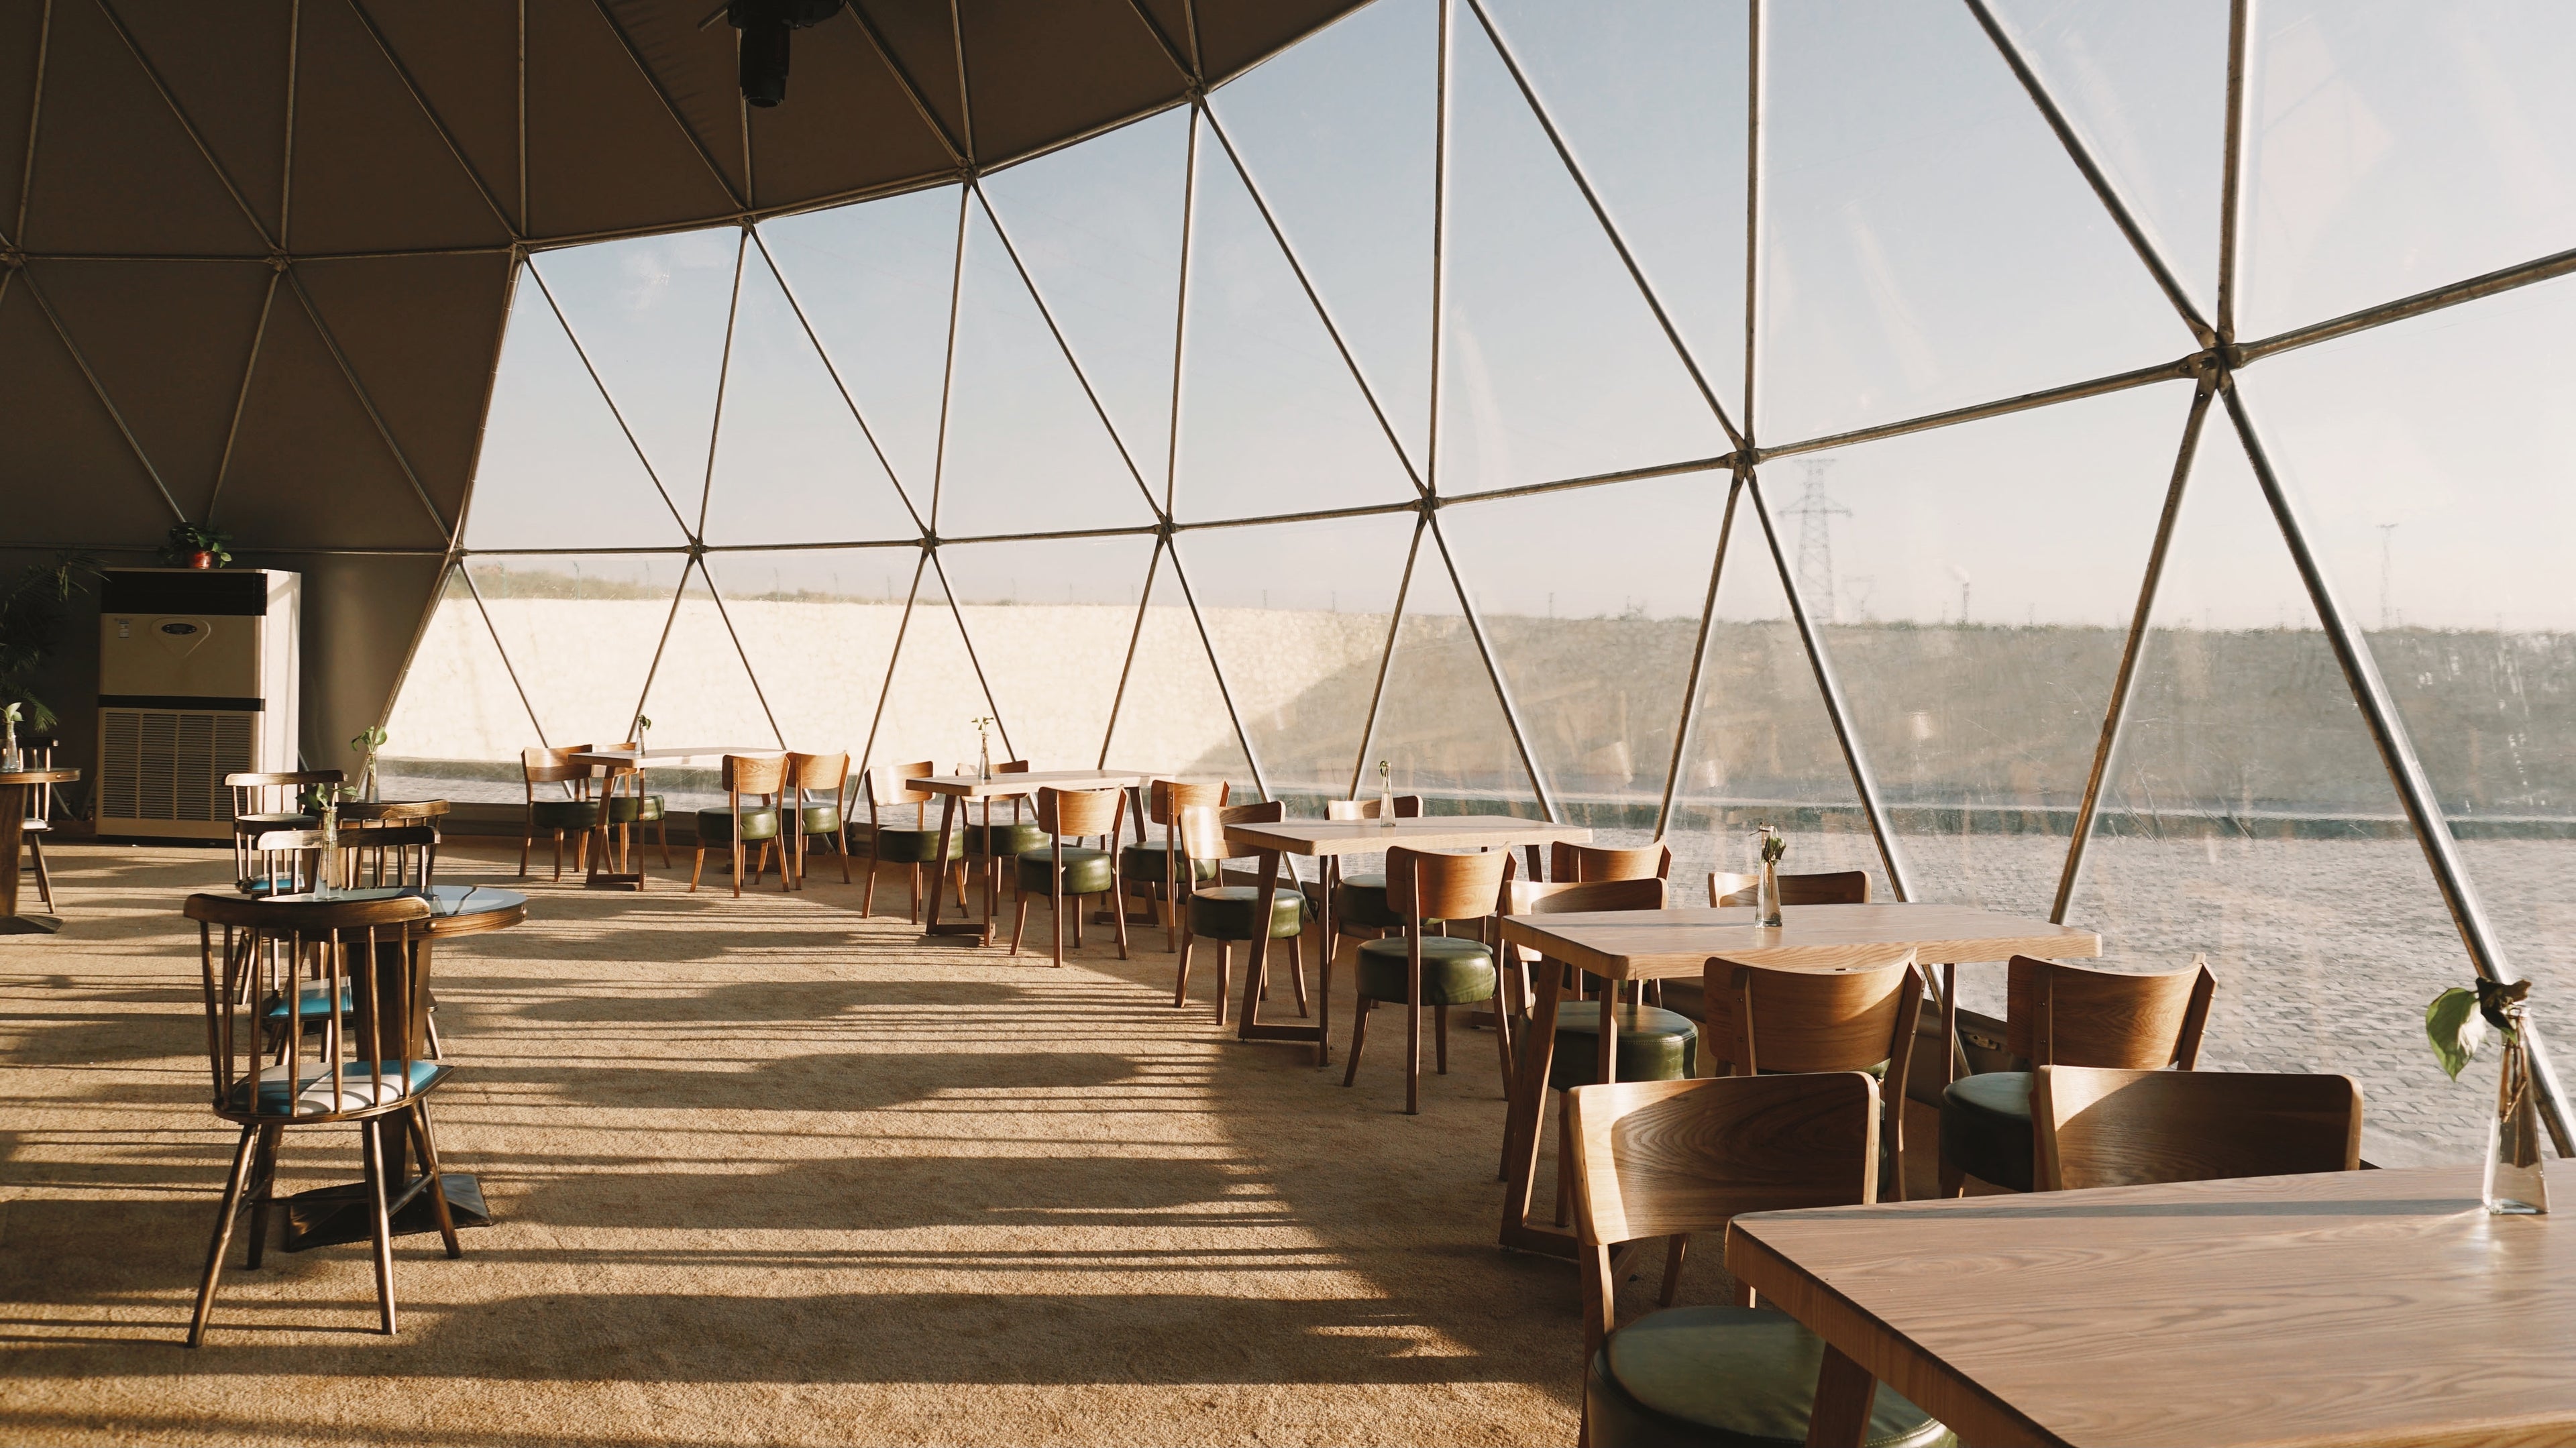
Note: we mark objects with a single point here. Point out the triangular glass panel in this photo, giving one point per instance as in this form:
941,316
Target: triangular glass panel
1931,557
2145,88
68,471
874,279
650,313
1298,614
1172,718
1051,623
1441,731
458,705
703,694
2392,149
1762,749
793,464
2247,816
1926,241
1026,451
1598,659
1554,365
580,632
1099,226
817,628
934,694
2428,458
1338,131
1272,421
557,469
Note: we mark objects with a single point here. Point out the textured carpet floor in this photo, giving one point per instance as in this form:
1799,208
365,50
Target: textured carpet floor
768,1172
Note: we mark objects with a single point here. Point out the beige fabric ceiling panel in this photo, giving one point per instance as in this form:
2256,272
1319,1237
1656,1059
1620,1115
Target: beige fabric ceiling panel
420,333
71,476
225,68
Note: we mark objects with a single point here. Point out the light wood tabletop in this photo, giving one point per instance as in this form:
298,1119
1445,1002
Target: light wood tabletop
1003,786
2357,1307
1625,945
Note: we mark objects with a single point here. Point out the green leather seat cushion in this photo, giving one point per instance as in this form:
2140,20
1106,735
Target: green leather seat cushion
1086,872
915,846
1654,1045
1455,971
1735,1377
1226,912
1361,904
822,819
627,809
564,814
1015,838
1985,1128
716,827
1147,862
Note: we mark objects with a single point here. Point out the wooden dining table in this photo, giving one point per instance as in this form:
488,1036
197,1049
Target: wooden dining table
627,766
1633,945
2360,1307
1328,841
954,789
18,789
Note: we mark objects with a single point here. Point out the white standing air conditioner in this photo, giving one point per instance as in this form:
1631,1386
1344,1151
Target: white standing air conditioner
196,680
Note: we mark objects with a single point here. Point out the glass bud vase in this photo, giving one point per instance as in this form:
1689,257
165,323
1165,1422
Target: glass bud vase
10,762
1766,899
2514,1143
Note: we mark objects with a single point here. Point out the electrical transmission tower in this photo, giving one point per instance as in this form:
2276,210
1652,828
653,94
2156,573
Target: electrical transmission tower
1815,511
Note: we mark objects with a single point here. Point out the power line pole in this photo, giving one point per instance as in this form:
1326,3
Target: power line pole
1815,511
2387,533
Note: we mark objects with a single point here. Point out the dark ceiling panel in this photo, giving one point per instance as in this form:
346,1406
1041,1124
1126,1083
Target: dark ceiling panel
1235,35
22,30
67,471
226,64
168,342
308,469
115,171
1171,17
918,39
696,70
604,153
421,332
1033,67
371,173
845,116
464,57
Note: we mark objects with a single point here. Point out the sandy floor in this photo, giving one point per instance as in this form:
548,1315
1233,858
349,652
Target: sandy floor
768,1172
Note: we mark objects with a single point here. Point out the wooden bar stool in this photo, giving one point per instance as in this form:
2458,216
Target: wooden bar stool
264,803
1155,871
1858,1018
1228,913
911,845
1076,872
1419,968
2099,1127
763,779
576,812
820,819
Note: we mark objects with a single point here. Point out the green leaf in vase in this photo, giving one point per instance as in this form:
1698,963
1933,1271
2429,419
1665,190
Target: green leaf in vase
2456,1028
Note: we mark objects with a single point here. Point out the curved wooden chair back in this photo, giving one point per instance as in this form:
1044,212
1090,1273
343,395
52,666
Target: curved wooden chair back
404,856
757,774
1202,827
1166,798
1565,897
370,995
1012,766
1079,813
1438,885
1584,863
397,812
2074,1015
824,774
1823,887
257,793
1760,1019
1407,807
2101,1127
555,766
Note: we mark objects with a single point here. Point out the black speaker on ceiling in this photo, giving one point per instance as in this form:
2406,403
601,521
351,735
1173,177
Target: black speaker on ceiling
765,25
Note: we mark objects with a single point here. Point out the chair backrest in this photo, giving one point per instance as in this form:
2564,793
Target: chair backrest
1012,766
287,862
398,812
370,1005
743,774
1534,897
1438,885
39,754
553,766
827,774
1081,812
401,855
1666,1158
1762,1019
1407,807
1202,827
258,793
2073,1015
2100,1127
1582,863
1823,887
1166,798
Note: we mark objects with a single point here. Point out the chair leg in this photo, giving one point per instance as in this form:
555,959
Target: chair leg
1119,920
1055,916
1413,1052
841,847
263,1188
697,867
558,857
868,896
44,877
1564,1157
1440,1035
1020,923
581,852
418,1117
223,1237
1674,1253
371,1148
1297,968
1077,925
737,860
916,893
1359,1035
429,1027
527,842
1181,972
957,880
1225,975
1954,1181
662,836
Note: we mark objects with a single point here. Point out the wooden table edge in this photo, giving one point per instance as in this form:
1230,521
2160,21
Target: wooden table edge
1526,932
1967,1408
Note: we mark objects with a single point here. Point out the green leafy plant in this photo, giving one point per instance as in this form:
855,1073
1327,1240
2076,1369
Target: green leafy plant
1774,844
31,620
368,740
2458,1020
184,541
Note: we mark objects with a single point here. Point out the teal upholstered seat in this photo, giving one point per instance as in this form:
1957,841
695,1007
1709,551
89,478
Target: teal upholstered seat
1986,1130
716,826
1147,863
564,814
911,846
1016,838
823,818
313,1002
1654,1045
627,809
1360,904
1455,971
1086,872
1726,1377
358,1087
1227,912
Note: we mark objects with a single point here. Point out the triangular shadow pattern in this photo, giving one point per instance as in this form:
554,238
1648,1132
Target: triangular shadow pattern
702,693
1172,717
580,633
817,629
458,700
1051,623
1441,730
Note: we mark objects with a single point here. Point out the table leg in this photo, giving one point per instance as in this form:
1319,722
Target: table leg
1951,1057
13,839
939,875
1606,1070
1844,1393
992,870
1258,958
1537,1055
1328,878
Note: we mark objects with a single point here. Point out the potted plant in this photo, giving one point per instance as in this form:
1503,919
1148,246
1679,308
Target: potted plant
2458,1022
31,618
190,545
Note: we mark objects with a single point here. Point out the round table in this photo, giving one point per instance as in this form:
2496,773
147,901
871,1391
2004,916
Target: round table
16,787
384,811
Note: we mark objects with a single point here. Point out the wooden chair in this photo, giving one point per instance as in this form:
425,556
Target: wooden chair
635,811
994,843
1861,1017
577,812
1419,968
1153,871
264,803
1359,896
910,845
39,819
1670,1160
762,778
1581,864
1227,913
2066,1015
1077,872
2099,1127
351,1056
1824,887
824,819
398,856
289,862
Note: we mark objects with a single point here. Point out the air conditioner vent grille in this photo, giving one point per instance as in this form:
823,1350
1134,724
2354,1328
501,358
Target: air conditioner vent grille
162,764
